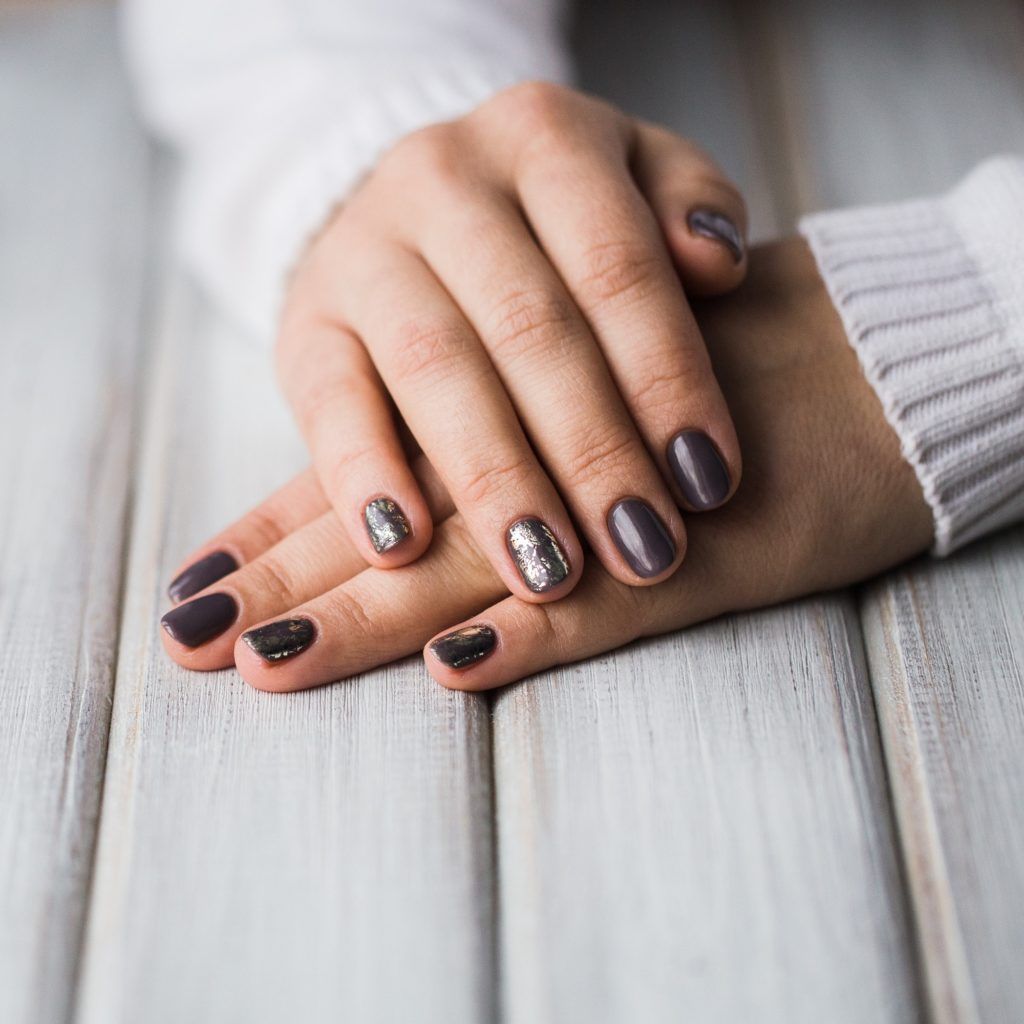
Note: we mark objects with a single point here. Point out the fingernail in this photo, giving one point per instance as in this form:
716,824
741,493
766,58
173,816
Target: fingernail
464,646
194,623
540,560
279,640
699,469
199,575
386,524
641,537
717,227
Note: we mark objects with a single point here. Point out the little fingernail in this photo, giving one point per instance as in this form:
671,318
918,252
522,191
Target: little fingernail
641,537
198,621
386,524
698,469
277,641
463,647
717,227
199,575
540,560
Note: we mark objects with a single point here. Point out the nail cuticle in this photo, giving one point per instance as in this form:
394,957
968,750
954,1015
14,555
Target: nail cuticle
278,641
196,622
699,469
201,574
641,537
538,556
718,228
464,647
386,524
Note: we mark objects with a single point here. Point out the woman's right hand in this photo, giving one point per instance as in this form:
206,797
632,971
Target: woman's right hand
513,282
827,500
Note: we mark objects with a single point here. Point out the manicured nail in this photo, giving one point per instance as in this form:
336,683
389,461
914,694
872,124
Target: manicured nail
699,469
194,623
279,640
717,227
641,537
464,646
540,560
199,575
386,524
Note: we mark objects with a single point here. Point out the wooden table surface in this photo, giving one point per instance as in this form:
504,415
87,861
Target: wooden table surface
814,813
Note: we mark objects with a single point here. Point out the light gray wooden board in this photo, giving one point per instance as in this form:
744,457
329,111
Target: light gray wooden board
72,245
945,640
321,856
698,827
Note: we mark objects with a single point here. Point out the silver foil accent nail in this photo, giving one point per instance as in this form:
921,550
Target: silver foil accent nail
541,561
386,524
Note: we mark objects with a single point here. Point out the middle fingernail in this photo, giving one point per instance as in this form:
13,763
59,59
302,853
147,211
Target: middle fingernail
198,621
386,524
717,227
540,560
277,641
641,537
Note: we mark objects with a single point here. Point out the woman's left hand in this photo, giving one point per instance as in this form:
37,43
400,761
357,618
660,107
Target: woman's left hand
827,499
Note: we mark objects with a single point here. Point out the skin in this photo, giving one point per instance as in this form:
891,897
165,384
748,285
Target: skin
826,500
512,285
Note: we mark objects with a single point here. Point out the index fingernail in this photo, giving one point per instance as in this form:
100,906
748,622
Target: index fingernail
719,228
200,574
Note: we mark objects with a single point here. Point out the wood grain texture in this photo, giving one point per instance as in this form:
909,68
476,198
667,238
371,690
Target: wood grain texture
320,856
72,251
945,640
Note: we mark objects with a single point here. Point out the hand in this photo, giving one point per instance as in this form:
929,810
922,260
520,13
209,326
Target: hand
508,281
826,500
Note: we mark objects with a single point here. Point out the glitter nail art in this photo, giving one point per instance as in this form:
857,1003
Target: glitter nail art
464,646
386,524
277,641
541,561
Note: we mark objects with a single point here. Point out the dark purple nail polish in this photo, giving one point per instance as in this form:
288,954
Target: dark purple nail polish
198,621
277,641
717,227
698,469
463,647
641,537
199,575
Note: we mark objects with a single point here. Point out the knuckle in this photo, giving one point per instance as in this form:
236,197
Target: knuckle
527,321
428,155
601,453
426,347
534,105
352,617
615,271
265,526
342,467
660,390
270,576
491,482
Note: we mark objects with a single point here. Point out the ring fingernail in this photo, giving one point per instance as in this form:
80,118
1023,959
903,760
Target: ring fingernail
464,646
386,524
719,228
199,575
698,469
641,537
277,641
198,621
539,558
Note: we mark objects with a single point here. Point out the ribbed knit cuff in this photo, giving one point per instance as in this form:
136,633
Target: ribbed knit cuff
929,292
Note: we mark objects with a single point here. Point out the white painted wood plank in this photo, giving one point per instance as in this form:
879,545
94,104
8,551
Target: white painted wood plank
72,231
321,856
901,99
698,827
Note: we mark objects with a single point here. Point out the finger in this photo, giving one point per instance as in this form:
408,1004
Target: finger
375,617
296,503
701,212
603,239
558,379
344,415
449,395
200,633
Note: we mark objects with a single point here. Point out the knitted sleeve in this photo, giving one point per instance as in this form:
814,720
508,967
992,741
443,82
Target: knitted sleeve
277,108
931,293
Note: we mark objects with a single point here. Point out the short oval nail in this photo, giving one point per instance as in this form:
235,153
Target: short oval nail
641,537
199,621
386,524
538,556
719,228
277,641
464,647
199,575
699,470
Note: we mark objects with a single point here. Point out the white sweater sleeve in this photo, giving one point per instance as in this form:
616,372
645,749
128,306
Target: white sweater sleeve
278,107
931,294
